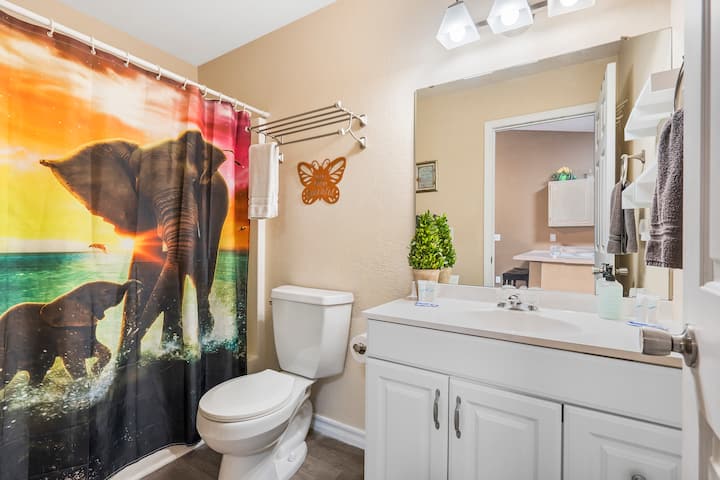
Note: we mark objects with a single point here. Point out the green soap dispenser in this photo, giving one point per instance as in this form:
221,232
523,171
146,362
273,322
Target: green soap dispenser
609,294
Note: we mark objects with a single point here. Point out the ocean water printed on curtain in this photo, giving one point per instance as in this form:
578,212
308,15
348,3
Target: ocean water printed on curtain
123,257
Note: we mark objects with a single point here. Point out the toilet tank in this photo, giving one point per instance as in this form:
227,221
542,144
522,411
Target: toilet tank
311,329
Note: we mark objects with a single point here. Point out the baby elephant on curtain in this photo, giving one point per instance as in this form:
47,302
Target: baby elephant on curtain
172,199
32,335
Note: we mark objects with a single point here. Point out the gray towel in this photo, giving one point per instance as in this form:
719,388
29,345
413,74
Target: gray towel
664,249
623,235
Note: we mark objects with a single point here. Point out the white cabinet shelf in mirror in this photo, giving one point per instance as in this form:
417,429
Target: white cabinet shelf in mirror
654,105
571,203
640,192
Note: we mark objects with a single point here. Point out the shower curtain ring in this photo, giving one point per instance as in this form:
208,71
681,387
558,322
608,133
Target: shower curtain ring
52,28
184,86
127,59
204,91
159,75
92,45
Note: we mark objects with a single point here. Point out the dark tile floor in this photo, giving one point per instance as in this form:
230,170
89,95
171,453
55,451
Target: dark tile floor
327,459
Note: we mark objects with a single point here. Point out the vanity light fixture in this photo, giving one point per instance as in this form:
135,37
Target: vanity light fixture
560,7
508,15
457,27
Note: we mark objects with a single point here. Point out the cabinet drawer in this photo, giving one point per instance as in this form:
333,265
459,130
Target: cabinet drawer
600,446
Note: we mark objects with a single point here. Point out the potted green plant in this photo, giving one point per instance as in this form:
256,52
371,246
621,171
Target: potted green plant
447,248
425,255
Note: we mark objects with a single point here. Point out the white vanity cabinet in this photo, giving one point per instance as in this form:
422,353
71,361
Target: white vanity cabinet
446,405
599,446
502,435
431,426
409,408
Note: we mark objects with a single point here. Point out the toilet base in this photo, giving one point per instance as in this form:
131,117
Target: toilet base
281,461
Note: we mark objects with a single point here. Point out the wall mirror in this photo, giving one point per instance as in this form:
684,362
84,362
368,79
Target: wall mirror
525,161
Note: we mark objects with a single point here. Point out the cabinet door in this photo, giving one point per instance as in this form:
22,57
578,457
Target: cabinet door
406,423
571,203
600,446
503,435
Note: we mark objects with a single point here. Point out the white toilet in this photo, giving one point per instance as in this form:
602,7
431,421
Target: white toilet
259,422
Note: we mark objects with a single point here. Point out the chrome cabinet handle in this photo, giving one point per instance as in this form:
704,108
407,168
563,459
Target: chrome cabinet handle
436,410
458,434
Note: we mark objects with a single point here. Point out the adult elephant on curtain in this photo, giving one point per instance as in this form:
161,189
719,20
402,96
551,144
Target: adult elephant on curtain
172,198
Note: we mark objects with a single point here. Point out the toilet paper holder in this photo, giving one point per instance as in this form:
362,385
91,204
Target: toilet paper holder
360,348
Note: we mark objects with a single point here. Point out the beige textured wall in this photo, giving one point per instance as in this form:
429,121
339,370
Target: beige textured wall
450,128
373,55
524,162
69,17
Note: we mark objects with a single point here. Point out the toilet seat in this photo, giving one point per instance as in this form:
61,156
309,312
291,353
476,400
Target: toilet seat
248,397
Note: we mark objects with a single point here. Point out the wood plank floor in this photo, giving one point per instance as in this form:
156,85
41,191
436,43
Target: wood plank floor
327,459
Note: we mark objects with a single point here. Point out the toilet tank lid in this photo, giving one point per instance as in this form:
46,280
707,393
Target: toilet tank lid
313,296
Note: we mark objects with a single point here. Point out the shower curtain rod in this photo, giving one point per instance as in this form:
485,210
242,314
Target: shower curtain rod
54,27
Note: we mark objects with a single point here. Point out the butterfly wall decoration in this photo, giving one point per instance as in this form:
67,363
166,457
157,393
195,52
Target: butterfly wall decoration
320,180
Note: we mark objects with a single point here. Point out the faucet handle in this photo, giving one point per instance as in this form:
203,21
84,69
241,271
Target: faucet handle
503,293
532,298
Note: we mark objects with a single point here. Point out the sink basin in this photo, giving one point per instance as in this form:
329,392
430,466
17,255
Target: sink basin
525,323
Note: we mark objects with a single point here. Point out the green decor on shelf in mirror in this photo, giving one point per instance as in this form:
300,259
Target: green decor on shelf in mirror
426,255
446,246
563,173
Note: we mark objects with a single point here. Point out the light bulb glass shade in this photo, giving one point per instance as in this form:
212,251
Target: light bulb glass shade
457,27
508,15
561,7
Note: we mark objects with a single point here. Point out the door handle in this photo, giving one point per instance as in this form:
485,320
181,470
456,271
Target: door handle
436,410
458,434
661,343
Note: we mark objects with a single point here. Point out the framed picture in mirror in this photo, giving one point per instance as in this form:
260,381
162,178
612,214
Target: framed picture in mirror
426,177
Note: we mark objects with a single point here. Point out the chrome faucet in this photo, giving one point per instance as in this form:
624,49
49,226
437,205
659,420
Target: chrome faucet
514,302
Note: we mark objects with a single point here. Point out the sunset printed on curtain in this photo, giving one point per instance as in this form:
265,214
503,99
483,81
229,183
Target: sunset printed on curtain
123,256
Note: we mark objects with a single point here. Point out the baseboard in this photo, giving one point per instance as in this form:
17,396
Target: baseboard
154,461
339,431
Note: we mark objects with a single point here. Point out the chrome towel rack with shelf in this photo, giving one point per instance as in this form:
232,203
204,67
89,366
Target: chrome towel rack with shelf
288,130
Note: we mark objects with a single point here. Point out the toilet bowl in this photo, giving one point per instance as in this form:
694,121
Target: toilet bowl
259,422
262,438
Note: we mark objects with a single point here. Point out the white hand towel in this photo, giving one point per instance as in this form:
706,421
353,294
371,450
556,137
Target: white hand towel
264,181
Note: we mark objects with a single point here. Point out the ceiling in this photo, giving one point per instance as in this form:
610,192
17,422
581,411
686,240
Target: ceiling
197,31
577,124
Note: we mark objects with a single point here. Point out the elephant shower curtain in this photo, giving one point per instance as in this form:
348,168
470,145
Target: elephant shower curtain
123,256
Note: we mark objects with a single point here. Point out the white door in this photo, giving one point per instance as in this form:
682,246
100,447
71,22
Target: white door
503,435
600,446
701,262
604,163
406,418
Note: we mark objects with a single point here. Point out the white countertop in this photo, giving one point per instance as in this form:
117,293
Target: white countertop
568,256
553,328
